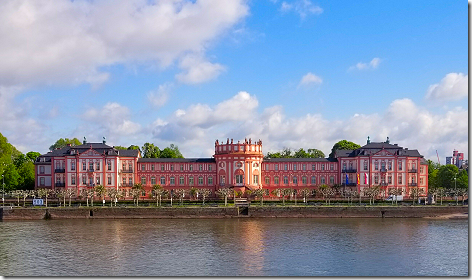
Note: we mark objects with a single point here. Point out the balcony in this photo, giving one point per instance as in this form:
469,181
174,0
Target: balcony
60,185
412,170
59,170
126,170
412,184
350,170
350,184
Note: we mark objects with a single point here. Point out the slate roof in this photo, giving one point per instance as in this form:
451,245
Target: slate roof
300,159
141,160
374,147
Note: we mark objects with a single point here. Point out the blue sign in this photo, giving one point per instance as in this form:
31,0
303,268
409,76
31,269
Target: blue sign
38,202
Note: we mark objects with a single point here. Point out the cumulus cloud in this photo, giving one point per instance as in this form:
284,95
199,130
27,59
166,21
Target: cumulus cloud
197,70
41,40
373,64
301,7
158,98
453,86
310,79
112,120
195,129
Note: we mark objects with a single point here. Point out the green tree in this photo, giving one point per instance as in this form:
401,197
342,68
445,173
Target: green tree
343,145
26,176
315,153
120,148
61,143
150,151
300,153
11,176
100,191
462,179
134,147
32,155
446,175
171,152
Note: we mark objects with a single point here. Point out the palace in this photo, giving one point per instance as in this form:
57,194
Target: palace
240,165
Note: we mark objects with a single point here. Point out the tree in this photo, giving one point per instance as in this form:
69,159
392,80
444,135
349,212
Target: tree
305,193
32,156
194,192
171,152
372,193
26,176
258,193
180,193
61,194
136,192
11,177
343,145
25,195
446,175
205,193
44,193
120,148
315,153
61,143
157,192
100,191
134,147
70,193
327,192
224,192
300,153
91,194
113,194
415,192
150,151
17,194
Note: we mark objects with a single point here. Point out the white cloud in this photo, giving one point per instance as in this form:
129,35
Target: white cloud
373,64
301,7
453,86
111,120
41,40
310,79
160,96
197,70
196,128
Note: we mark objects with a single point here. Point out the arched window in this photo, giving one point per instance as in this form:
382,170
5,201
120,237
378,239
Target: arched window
181,180
153,180
172,180
210,180
276,180
323,181
163,180
143,180
313,180
304,180
200,180
285,180
295,180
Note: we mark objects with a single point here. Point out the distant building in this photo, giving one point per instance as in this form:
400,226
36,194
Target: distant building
457,159
237,165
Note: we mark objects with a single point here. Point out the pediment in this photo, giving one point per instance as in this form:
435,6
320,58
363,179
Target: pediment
91,153
383,153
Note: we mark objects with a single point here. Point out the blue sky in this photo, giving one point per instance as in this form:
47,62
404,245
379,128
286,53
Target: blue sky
297,74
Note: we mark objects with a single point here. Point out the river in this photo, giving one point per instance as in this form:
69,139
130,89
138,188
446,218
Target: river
234,247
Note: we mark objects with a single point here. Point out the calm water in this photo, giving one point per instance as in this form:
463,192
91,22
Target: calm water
240,247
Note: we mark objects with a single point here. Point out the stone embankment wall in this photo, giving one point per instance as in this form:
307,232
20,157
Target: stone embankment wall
230,212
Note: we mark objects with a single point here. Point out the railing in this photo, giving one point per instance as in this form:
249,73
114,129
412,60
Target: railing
126,170
351,184
383,184
412,170
351,170
59,170
383,169
412,184
60,185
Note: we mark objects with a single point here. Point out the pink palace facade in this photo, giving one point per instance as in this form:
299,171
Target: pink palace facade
238,165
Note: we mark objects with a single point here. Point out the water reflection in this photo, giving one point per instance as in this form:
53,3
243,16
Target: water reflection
234,247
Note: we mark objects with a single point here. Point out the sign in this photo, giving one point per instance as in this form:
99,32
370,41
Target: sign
37,202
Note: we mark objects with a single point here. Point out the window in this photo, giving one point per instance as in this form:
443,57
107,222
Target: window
41,170
389,179
98,180
304,181
331,180
376,180
344,166
181,167
171,167
400,165
222,179
84,179
143,167
130,181
421,169
295,167
365,165
153,180
109,180
286,167
389,165
72,180
181,180
143,180
191,167
256,179
322,167
98,166
421,181
382,165
109,165
172,180
124,181
285,180
41,181
152,167
400,179
376,165
304,167
312,167
365,179
276,167
72,165
163,167
84,165
239,179
200,167
313,180
163,180
123,166
323,181
276,180
90,165
190,181
267,180
210,180
130,166
200,180
295,180
210,167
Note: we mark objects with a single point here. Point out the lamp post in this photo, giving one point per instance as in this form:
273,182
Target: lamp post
455,188
3,190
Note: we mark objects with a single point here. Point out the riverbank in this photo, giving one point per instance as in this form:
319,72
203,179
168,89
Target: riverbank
436,212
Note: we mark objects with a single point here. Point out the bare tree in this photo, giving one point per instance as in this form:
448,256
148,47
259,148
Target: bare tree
205,193
181,194
61,195
305,193
157,193
260,193
327,192
70,193
112,193
415,192
225,192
